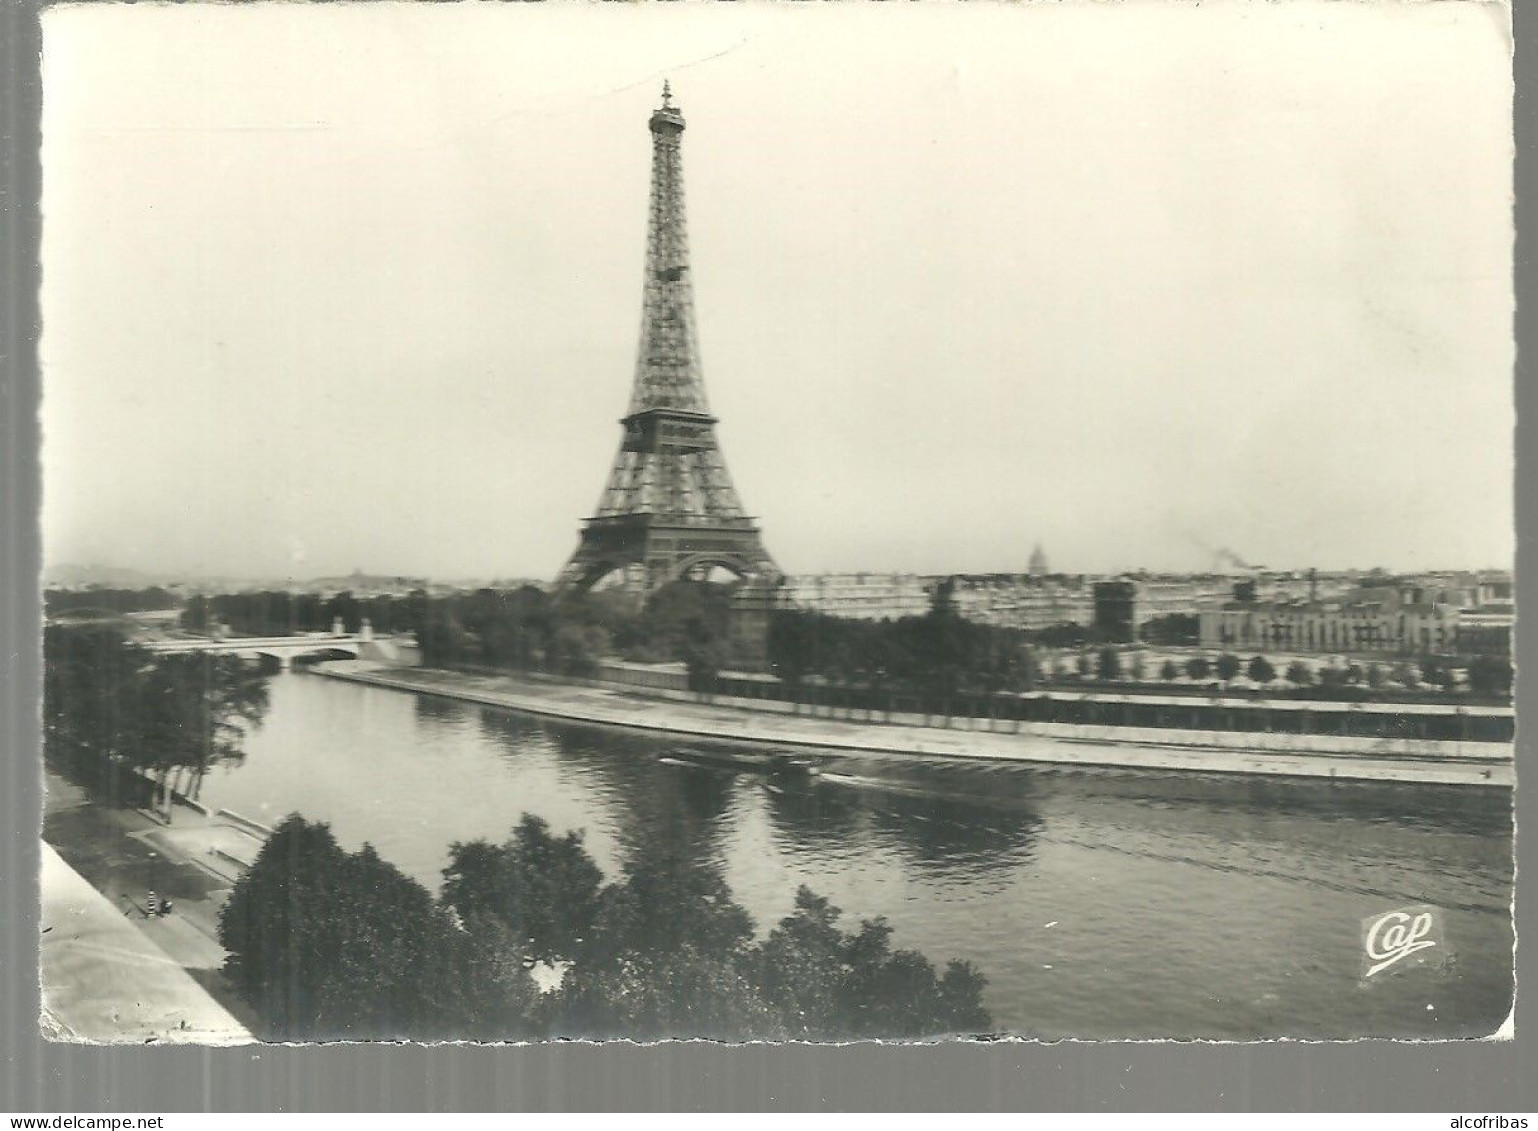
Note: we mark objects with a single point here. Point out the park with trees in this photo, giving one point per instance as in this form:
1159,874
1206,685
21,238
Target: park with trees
939,654
521,629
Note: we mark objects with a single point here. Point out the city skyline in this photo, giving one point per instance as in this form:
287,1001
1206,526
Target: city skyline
77,575
408,357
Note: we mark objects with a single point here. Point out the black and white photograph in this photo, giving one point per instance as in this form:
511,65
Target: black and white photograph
777,522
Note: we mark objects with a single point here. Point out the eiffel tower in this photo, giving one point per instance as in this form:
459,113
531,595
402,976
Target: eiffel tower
669,510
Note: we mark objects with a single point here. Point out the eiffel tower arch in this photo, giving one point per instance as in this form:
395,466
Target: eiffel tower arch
669,510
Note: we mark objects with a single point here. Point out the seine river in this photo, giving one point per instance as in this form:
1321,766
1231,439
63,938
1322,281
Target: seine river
1098,903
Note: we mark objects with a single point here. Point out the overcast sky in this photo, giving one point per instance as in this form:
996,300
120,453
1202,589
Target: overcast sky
347,286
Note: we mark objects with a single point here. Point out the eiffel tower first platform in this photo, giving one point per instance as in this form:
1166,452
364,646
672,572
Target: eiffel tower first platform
669,511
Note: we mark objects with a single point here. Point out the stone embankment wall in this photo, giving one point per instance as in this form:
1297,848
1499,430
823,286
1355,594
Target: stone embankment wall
691,715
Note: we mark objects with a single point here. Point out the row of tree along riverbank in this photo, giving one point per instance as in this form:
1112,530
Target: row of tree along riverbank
1124,706
126,717
937,655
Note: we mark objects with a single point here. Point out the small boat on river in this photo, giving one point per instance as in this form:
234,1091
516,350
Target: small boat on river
780,763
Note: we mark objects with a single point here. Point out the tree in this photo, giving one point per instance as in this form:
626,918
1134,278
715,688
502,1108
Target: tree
1489,675
324,943
669,901
669,953
1067,635
91,678
1437,671
197,617
1085,664
1376,676
1137,665
678,994
329,944
790,646
1169,672
1300,674
942,602
1261,670
502,1001
195,711
669,956
803,966
945,647
1110,664
1171,629
1016,663
275,914
169,717
1198,668
96,600
442,637
704,656
575,649
543,888
1228,666
347,608
828,983
683,615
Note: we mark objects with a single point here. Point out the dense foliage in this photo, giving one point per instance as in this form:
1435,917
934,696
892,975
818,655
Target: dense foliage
100,599
279,613
1490,675
108,704
939,656
1171,629
938,653
523,629
665,951
330,944
527,629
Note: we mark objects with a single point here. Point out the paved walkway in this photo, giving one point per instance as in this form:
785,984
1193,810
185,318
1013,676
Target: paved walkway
693,719
122,854
105,980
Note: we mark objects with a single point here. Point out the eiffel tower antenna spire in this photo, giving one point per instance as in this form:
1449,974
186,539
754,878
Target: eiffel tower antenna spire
669,510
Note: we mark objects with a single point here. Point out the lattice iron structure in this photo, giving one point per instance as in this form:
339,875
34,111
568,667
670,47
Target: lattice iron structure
669,510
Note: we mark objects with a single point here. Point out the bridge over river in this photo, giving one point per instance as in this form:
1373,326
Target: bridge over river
284,649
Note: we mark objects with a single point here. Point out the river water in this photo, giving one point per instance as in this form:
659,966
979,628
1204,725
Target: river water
1098,903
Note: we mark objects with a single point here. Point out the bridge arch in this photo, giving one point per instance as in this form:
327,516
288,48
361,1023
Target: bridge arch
285,657
276,653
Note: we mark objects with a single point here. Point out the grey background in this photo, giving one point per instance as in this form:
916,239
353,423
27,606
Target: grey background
1474,1077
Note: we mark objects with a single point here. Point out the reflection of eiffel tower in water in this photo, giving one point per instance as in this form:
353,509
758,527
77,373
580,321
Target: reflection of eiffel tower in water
669,510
